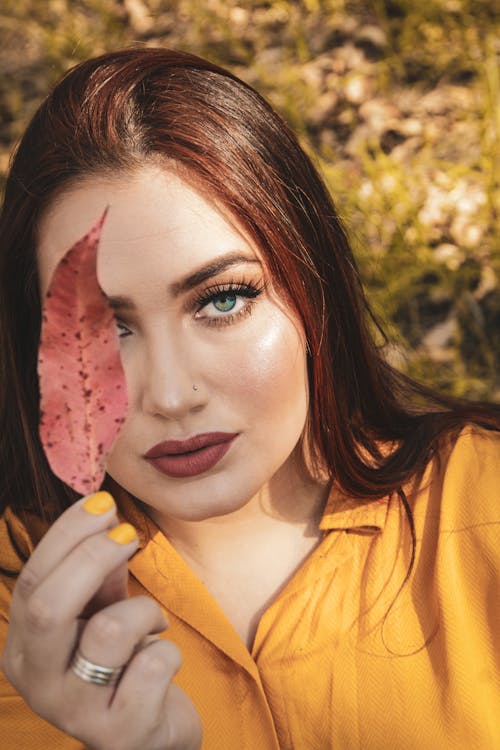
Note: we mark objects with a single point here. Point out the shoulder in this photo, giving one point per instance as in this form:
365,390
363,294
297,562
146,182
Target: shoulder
466,473
456,504
479,448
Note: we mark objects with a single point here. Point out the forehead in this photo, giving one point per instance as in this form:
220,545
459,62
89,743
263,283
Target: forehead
152,213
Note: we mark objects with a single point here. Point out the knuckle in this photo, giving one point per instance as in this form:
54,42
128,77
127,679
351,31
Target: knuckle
173,652
40,616
105,627
151,663
160,658
151,608
148,602
26,582
13,660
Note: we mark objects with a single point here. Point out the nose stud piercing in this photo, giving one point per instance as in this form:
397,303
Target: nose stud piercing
195,387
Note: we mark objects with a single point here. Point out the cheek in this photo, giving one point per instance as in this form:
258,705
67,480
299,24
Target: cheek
269,367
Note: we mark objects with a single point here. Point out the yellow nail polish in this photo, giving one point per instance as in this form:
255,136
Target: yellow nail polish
123,533
99,503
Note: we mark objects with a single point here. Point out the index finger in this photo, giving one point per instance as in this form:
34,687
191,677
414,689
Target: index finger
88,516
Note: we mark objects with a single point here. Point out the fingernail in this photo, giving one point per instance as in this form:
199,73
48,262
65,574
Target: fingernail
123,533
99,503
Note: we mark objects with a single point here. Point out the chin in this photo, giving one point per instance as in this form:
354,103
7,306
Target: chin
197,512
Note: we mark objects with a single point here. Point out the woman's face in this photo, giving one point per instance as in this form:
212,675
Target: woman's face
209,350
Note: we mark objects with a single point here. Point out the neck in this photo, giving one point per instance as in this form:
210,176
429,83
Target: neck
245,558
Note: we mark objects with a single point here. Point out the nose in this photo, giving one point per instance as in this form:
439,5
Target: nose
170,386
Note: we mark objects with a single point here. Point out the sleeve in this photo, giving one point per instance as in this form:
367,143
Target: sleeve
20,727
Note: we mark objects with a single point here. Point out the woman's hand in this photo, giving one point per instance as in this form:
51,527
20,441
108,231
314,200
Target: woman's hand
78,570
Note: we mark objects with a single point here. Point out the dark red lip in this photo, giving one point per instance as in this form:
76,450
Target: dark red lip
203,440
185,458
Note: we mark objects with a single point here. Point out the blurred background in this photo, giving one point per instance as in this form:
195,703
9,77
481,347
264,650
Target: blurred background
398,103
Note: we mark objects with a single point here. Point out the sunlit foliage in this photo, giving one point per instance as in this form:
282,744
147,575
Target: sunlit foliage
397,101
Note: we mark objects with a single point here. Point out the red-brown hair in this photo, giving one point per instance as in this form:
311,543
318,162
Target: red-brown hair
120,109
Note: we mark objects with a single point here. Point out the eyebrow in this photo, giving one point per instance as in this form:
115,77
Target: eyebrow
192,280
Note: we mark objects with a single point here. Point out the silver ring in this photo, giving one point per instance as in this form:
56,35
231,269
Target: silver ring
94,673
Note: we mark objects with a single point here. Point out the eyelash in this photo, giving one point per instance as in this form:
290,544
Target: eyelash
243,289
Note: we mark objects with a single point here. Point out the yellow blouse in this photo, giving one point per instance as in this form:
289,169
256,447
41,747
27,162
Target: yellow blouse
350,655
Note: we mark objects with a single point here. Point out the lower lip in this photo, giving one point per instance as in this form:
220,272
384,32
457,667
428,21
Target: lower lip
191,464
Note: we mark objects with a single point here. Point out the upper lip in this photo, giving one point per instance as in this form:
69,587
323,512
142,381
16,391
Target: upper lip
175,447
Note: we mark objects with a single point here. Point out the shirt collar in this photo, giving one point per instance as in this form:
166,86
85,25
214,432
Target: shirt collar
343,513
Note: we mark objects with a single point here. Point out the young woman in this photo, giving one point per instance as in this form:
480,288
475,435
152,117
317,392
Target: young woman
320,533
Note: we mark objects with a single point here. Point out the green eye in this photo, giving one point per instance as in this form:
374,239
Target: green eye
225,302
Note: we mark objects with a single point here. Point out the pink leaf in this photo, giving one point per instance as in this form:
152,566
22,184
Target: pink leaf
82,384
